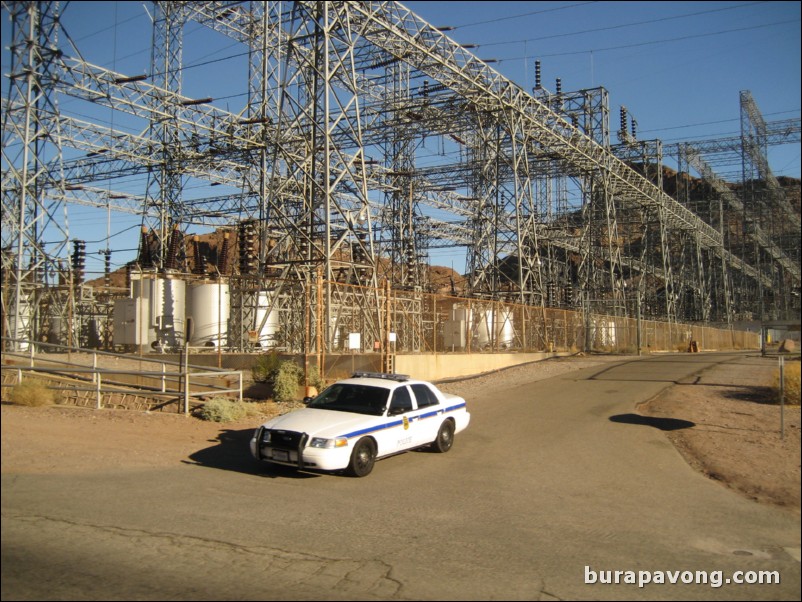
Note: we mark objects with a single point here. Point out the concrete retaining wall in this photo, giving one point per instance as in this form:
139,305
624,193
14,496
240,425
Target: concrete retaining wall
423,366
441,366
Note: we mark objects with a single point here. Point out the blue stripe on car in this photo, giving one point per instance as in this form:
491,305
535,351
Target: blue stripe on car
395,423
373,429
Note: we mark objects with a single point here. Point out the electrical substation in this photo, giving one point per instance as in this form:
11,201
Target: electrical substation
301,218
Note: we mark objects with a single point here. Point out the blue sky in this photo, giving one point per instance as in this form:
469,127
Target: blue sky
678,67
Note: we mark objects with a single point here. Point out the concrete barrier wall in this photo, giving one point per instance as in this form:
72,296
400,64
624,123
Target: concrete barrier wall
424,366
441,366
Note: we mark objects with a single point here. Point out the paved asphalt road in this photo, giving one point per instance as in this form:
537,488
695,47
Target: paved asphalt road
551,485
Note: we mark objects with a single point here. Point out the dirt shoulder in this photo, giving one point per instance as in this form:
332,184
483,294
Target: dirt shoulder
730,433
735,437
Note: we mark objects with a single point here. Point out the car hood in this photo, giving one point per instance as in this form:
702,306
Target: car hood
322,423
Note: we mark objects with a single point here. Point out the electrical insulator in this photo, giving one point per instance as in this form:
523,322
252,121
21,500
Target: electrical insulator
199,258
222,259
78,260
247,248
145,258
241,248
174,246
107,268
559,86
537,76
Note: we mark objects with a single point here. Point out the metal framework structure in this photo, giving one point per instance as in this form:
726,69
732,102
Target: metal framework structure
323,159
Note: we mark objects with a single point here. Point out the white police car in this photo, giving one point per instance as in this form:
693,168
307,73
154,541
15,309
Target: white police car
356,421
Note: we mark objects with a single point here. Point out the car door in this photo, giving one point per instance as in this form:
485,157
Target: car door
403,431
429,414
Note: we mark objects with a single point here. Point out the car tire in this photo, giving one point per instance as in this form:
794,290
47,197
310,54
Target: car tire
445,437
362,458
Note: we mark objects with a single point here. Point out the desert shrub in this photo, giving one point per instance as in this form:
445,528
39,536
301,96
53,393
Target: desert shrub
285,384
222,409
265,367
791,384
314,379
32,393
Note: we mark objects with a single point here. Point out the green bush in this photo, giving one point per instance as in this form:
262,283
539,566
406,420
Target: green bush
288,377
32,393
265,368
222,409
314,379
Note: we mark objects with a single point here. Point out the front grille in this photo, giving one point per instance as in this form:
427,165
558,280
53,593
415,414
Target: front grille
289,440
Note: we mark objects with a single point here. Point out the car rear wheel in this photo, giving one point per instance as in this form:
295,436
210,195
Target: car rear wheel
362,458
445,437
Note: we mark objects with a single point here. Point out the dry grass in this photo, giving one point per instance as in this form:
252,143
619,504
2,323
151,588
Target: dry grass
32,393
223,409
791,388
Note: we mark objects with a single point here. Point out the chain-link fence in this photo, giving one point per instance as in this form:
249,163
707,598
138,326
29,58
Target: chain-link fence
413,321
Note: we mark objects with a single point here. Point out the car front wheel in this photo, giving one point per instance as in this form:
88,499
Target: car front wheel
445,437
362,458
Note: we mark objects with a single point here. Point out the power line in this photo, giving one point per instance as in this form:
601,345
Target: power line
534,12
690,125
664,41
621,26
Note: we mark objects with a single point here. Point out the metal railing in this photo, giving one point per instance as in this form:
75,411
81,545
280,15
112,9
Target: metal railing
81,371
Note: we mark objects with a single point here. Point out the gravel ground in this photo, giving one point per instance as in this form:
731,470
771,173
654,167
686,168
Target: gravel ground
734,439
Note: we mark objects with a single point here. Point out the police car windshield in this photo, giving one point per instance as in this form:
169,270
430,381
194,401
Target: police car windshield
359,399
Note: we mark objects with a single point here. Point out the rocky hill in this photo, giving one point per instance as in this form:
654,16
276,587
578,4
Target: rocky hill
218,252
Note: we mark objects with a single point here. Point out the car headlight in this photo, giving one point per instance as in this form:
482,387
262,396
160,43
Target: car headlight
264,433
328,443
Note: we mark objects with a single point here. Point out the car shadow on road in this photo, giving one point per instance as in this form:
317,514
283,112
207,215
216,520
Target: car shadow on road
231,452
664,424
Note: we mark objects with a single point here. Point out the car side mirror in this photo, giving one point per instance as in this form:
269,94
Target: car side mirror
307,400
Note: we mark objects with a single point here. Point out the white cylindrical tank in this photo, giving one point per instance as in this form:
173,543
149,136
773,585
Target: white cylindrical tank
267,335
482,328
162,309
20,322
493,328
459,313
209,306
168,310
505,332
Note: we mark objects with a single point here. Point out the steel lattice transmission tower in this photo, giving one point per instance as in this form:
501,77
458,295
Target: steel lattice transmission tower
367,138
35,231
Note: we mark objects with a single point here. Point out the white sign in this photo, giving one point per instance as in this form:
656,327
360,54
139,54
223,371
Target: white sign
354,340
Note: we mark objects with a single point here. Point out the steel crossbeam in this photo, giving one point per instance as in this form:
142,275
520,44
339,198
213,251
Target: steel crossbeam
326,158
